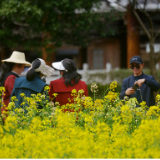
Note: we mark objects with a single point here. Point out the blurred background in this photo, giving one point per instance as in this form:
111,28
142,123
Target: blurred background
99,35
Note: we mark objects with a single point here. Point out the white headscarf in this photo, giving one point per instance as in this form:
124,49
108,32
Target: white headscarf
44,69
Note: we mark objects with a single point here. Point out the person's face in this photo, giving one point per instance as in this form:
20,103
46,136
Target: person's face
61,73
137,68
20,68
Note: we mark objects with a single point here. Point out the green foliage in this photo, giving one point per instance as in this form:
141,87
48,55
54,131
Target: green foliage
70,21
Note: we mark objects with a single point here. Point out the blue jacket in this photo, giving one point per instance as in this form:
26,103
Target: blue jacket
147,88
22,85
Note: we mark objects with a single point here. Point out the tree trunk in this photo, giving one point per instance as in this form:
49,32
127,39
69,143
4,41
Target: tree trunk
48,54
132,36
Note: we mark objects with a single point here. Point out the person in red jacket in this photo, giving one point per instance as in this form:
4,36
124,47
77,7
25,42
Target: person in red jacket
10,70
70,80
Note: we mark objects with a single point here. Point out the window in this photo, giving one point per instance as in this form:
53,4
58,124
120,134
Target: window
98,57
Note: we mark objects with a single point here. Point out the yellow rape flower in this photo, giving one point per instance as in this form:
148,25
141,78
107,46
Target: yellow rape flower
14,98
46,88
113,85
22,94
55,94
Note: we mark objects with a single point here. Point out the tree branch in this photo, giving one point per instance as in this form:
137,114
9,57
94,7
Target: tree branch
150,21
147,15
157,57
156,8
158,32
117,3
142,24
145,2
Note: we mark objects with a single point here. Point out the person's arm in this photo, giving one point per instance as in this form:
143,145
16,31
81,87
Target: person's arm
150,83
126,91
10,83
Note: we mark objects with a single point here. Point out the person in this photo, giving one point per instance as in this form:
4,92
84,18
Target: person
10,70
146,83
70,80
32,83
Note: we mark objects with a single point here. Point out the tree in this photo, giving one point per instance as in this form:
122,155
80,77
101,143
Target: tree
145,18
37,23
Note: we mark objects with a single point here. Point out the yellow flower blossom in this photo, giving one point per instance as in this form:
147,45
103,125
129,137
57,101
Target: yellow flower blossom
105,128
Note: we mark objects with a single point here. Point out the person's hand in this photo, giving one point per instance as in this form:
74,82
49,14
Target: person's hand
140,82
129,91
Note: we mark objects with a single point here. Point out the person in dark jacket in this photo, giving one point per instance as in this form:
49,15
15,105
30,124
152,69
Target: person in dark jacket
147,83
32,83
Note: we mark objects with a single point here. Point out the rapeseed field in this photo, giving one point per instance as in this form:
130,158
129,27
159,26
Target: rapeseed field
91,128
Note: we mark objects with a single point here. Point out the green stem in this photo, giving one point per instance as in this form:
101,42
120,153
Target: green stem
2,122
94,97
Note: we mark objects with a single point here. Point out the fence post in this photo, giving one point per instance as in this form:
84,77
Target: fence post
108,69
157,66
85,72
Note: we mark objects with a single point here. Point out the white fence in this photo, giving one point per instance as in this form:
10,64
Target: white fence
89,76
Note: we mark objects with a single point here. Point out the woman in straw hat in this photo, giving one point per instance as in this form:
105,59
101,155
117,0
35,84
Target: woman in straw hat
10,70
70,80
32,83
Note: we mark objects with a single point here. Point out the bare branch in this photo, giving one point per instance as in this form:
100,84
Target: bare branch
157,57
142,24
138,5
145,2
117,3
156,8
150,21
158,32
148,17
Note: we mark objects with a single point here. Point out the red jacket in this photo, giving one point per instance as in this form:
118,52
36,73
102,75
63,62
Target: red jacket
9,84
64,92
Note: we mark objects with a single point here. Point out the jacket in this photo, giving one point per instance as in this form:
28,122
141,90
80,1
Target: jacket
8,83
22,85
64,92
147,88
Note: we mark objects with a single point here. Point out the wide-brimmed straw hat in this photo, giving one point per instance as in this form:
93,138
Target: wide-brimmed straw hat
43,68
17,57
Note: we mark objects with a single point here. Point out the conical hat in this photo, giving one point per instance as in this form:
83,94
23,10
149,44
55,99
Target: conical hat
17,57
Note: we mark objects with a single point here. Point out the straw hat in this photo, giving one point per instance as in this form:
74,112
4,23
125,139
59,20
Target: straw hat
17,57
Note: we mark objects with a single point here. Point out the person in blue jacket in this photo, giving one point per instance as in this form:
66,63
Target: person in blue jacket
32,83
147,83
